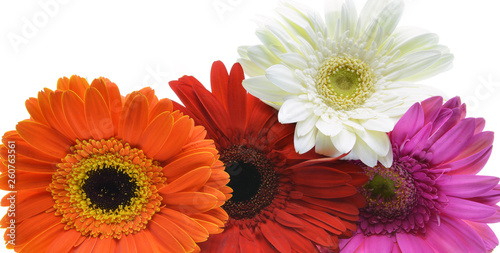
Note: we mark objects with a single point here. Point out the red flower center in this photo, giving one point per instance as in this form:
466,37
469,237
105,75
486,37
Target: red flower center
253,180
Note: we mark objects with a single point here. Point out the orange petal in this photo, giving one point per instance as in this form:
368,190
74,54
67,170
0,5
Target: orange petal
156,133
191,181
193,228
145,243
87,246
104,245
78,85
187,163
150,95
126,244
207,218
57,108
74,110
46,108
37,204
164,105
63,83
190,202
115,103
25,180
43,240
98,115
100,85
24,148
168,232
24,163
134,119
181,131
44,138
65,242
34,111
37,225
212,228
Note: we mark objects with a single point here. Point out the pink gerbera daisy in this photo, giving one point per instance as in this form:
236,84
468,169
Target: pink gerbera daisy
430,199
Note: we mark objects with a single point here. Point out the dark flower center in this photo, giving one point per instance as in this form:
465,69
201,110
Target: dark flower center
252,178
401,198
109,188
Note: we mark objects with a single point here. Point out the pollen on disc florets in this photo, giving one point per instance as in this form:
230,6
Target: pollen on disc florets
253,179
345,83
106,188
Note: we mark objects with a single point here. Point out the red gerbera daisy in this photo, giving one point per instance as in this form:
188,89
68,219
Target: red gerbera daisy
282,201
98,172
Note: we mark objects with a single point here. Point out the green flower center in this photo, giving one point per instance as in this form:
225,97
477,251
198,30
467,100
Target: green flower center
344,83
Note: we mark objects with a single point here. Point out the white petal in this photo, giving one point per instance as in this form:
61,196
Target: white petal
293,110
328,127
377,141
294,60
344,141
304,127
250,68
304,143
283,77
268,39
411,64
365,153
262,88
384,124
386,160
262,57
325,146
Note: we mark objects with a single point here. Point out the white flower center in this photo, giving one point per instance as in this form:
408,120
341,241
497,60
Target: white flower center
345,83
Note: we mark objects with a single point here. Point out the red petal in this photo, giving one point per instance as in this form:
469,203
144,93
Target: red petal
273,234
237,97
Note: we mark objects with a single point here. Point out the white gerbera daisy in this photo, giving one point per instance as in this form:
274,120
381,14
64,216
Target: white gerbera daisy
344,80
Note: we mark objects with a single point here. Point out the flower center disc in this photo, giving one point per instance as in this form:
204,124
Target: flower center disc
253,180
344,82
106,188
390,193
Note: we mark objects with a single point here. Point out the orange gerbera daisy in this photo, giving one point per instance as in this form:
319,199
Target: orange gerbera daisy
99,172
282,201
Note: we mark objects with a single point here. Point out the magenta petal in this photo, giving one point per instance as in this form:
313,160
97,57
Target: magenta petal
464,232
490,198
417,142
352,244
453,142
453,103
409,243
470,165
378,243
484,231
466,186
477,143
432,106
444,238
408,125
446,120
480,123
469,210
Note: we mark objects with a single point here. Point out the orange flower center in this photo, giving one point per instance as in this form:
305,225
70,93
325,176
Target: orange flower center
106,188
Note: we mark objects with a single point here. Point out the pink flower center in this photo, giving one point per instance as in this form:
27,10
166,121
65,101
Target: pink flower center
399,199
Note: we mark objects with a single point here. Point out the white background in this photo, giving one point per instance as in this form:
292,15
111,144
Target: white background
149,43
